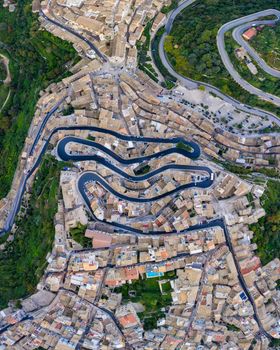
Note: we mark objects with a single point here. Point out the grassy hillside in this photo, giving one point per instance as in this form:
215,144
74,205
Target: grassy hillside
261,80
267,44
36,59
192,49
23,260
267,230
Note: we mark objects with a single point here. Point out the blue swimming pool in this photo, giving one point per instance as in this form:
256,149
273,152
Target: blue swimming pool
152,274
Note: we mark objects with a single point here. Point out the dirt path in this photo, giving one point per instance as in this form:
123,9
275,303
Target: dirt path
6,63
8,79
7,99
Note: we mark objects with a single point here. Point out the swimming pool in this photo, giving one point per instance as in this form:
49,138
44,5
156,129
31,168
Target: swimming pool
152,274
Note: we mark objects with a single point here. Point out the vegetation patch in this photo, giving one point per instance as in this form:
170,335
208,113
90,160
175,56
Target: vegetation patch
267,44
166,287
69,110
147,292
23,260
36,59
143,46
3,71
192,50
91,138
274,343
261,80
4,91
169,8
170,81
241,170
4,238
270,172
142,170
182,145
233,328
78,234
267,229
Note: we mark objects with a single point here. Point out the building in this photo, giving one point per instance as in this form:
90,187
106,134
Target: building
250,33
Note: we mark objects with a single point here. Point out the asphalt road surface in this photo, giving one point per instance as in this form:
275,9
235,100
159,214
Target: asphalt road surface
78,35
193,84
237,36
193,153
93,176
226,60
121,228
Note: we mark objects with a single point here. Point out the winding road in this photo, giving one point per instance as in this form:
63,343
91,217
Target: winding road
93,176
193,153
7,80
189,83
102,57
193,84
237,36
225,57
90,176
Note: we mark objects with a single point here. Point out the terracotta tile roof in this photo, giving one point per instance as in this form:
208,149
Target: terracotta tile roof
128,320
